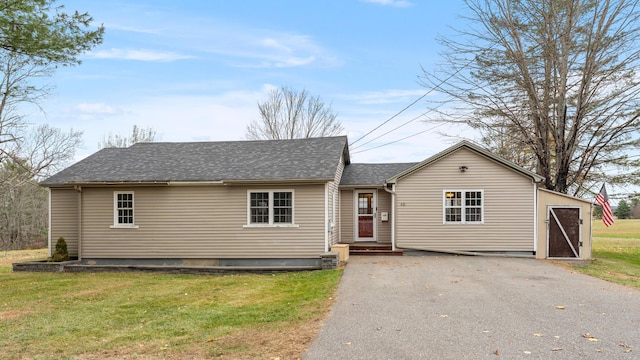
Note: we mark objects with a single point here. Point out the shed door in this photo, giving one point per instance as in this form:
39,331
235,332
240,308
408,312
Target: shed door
563,236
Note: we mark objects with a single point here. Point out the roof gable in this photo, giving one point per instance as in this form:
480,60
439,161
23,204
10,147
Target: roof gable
473,148
264,160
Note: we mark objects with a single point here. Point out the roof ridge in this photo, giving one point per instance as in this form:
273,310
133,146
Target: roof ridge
237,141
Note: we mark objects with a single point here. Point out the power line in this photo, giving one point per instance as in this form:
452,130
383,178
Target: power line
395,141
392,130
391,118
399,126
414,102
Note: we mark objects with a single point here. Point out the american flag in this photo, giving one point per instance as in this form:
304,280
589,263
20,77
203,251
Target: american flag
603,200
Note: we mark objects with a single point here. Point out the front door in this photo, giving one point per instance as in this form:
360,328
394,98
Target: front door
366,215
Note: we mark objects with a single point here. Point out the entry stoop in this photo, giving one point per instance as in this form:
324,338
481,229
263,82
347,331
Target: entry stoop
372,249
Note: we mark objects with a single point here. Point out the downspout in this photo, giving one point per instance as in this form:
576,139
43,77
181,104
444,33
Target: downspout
393,214
49,225
326,217
590,231
535,219
79,190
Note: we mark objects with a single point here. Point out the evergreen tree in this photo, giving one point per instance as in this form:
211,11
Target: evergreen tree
623,211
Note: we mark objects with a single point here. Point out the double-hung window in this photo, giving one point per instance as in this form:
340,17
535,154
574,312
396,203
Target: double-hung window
270,207
463,206
123,210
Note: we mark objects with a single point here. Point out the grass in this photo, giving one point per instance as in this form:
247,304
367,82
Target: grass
153,316
140,315
616,251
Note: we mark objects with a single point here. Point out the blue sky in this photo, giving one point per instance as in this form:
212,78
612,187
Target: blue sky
195,70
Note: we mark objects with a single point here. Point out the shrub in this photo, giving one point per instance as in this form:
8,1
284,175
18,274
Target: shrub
61,253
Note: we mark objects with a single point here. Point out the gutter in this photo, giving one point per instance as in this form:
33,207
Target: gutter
190,182
393,213
79,190
49,223
195,183
278,181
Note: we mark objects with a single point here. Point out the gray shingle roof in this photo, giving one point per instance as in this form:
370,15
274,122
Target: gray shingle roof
301,159
371,174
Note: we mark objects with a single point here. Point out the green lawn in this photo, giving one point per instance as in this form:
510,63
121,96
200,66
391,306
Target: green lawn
116,315
616,251
136,315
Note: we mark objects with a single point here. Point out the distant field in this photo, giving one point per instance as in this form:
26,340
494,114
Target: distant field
616,251
159,316
9,257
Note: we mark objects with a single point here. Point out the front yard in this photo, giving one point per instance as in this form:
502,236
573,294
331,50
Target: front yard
138,315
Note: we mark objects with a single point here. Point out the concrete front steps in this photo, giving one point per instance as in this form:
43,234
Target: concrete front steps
372,249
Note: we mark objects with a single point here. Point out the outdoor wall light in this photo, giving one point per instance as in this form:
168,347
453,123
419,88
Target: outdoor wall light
463,168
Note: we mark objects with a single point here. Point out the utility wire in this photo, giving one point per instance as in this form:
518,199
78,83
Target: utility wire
393,117
404,138
392,130
413,103
399,126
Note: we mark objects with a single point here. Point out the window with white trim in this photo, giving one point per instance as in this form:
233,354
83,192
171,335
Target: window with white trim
463,206
123,209
270,207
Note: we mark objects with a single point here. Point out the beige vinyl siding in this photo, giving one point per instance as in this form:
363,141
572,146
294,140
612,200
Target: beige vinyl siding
334,234
508,206
548,198
64,218
200,222
384,227
346,216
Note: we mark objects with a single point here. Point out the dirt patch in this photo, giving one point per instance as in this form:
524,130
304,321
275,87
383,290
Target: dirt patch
262,343
284,343
11,315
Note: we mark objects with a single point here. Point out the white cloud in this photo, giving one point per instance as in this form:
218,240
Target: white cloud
394,3
93,111
250,48
238,44
96,108
138,55
129,28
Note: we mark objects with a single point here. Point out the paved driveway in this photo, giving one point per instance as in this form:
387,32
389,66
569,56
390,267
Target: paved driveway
457,307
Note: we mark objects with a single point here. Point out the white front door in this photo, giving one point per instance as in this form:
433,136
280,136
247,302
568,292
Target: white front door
365,215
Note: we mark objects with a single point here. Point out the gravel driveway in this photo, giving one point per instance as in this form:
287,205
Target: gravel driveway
458,307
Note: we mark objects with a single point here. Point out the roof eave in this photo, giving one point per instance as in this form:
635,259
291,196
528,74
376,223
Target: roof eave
348,186
105,183
186,182
278,181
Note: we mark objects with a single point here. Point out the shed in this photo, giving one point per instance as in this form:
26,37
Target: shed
564,226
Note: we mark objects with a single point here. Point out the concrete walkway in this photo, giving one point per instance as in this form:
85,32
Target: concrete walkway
457,307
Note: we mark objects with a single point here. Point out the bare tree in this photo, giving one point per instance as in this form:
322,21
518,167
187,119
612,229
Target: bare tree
41,149
291,114
137,135
23,214
560,77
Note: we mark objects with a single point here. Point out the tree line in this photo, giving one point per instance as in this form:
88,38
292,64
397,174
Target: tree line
625,209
